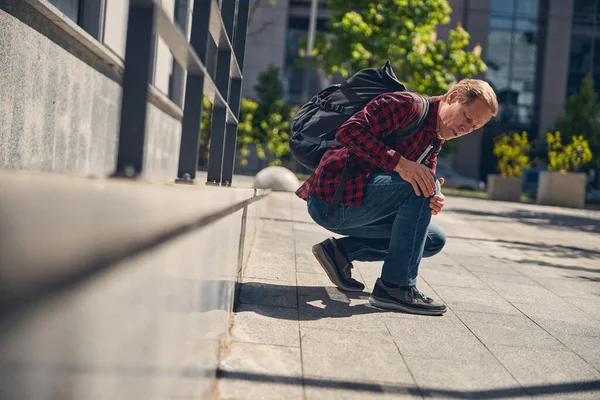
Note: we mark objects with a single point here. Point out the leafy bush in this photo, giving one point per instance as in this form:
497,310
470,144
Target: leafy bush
511,152
569,158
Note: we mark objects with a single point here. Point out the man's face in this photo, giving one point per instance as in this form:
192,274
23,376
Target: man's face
456,119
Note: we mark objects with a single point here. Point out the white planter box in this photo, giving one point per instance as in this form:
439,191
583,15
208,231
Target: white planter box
558,189
506,188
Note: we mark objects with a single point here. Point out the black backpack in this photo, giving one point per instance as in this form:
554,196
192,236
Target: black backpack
314,126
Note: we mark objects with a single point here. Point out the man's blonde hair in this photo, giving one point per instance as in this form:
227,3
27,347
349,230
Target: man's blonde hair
470,90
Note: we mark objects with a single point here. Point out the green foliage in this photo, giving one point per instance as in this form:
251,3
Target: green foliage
366,33
205,130
266,121
582,117
511,152
569,158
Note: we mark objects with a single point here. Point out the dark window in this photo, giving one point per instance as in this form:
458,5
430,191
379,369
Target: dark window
511,60
68,7
585,44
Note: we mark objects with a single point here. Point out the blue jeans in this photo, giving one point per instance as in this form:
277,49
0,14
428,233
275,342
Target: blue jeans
392,225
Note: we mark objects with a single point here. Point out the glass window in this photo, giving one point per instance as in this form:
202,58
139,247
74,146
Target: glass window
503,8
164,59
498,59
527,8
68,7
115,26
584,14
500,22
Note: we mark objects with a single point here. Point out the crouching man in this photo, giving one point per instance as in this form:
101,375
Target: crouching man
384,213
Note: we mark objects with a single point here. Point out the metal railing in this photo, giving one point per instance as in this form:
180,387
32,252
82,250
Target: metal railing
209,23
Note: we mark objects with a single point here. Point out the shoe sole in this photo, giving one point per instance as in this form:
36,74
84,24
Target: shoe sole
386,305
324,260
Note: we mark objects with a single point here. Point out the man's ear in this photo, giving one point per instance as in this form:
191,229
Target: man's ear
452,97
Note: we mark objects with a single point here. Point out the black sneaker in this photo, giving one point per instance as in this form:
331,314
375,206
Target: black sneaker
337,266
407,300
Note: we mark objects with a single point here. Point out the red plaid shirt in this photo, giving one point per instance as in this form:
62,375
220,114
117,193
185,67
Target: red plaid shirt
363,152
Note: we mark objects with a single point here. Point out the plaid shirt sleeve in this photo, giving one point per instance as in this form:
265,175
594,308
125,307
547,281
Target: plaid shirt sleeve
383,115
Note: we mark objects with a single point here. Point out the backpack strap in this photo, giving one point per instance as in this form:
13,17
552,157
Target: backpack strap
415,125
326,105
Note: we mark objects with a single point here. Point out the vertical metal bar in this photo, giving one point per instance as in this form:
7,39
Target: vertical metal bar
217,136
134,103
194,95
223,80
239,44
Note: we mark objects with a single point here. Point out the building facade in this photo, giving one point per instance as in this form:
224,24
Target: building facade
537,53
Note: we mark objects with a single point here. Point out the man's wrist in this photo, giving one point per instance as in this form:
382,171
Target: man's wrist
401,164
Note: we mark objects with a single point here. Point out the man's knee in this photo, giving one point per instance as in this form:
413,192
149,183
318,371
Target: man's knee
436,240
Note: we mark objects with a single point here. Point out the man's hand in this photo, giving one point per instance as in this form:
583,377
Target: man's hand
437,202
418,175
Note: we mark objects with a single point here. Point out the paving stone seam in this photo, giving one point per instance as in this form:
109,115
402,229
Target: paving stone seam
480,341
412,376
298,303
262,344
522,313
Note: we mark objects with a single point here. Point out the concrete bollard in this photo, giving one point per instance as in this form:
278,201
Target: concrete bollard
278,179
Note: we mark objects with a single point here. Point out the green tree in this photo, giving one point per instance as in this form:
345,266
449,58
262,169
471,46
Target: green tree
582,117
268,127
205,130
366,33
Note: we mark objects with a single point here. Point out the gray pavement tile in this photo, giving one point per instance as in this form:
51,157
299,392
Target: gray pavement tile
355,390
477,379
558,310
572,287
268,293
272,266
352,356
557,269
454,247
455,276
539,370
305,238
441,259
478,300
266,325
354,314
309,281
485,263
267,242
516,279
258,371
434,337
306,262
590,306
510,330
586,347
367,273
517,291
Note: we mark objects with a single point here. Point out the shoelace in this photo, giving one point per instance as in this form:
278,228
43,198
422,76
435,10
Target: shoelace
419,294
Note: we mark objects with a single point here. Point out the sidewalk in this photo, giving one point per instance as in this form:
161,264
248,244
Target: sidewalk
522,284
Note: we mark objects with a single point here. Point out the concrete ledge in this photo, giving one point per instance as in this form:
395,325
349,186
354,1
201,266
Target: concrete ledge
54,229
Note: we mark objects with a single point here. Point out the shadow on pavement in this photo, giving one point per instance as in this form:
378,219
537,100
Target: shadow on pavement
551,265
314,302
540,219
533,390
